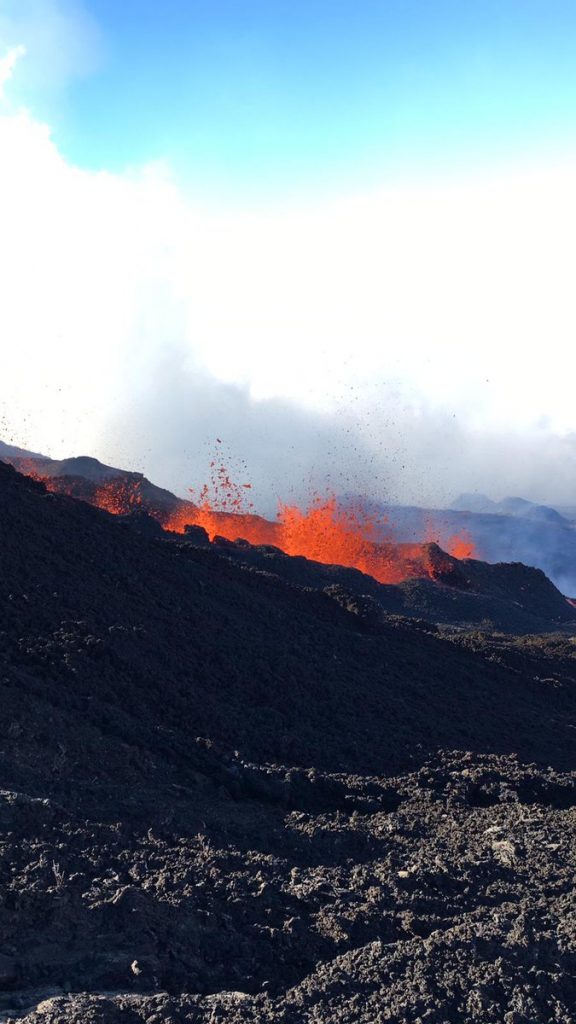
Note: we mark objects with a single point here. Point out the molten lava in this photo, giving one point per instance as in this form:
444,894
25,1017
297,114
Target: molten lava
324,532
119,496
327,533
461,545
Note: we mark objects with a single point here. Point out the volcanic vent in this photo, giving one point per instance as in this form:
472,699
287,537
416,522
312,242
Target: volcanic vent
325,531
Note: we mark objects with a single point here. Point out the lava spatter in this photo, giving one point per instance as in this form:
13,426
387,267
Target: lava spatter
325,530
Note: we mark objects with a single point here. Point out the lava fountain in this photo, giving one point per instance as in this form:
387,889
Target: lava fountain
324,531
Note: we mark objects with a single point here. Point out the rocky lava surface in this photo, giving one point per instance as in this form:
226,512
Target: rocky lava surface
227,795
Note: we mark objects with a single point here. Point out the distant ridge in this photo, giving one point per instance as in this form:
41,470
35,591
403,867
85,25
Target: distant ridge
11,451
511,506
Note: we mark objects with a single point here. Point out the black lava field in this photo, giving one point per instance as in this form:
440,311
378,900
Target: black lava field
241,787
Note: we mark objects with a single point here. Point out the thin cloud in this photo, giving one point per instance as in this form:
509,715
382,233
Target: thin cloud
7,64
62,41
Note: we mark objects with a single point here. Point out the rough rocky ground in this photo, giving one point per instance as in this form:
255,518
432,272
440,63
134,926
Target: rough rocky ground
226,797
510,598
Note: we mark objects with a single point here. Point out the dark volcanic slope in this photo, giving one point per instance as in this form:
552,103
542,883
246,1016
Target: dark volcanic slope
511,598
82,476
223,797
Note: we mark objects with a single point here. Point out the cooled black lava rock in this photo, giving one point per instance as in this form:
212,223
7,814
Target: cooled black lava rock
222,797
197,535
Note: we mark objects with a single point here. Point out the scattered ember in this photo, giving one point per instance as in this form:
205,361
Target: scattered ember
325,531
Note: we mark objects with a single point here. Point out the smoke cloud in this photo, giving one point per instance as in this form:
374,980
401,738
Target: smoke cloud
382,445
410,344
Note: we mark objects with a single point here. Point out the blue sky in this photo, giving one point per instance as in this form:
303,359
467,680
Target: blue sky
269,96
313,207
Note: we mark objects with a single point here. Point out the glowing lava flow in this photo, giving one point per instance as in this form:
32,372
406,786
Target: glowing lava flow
223,508
324,532
328,533
461,545
119,496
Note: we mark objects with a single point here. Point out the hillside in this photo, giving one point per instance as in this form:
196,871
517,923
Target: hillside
510,598
228,797
10,453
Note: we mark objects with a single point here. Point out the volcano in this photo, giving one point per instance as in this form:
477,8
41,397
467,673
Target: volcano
383,542
235,786
324,532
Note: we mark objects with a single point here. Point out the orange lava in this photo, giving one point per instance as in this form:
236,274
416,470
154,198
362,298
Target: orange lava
461,545
232,526
324,532
336,536
119,496
29,467
224,509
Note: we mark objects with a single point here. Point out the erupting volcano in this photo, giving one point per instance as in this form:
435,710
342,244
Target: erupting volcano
325,530
235,779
